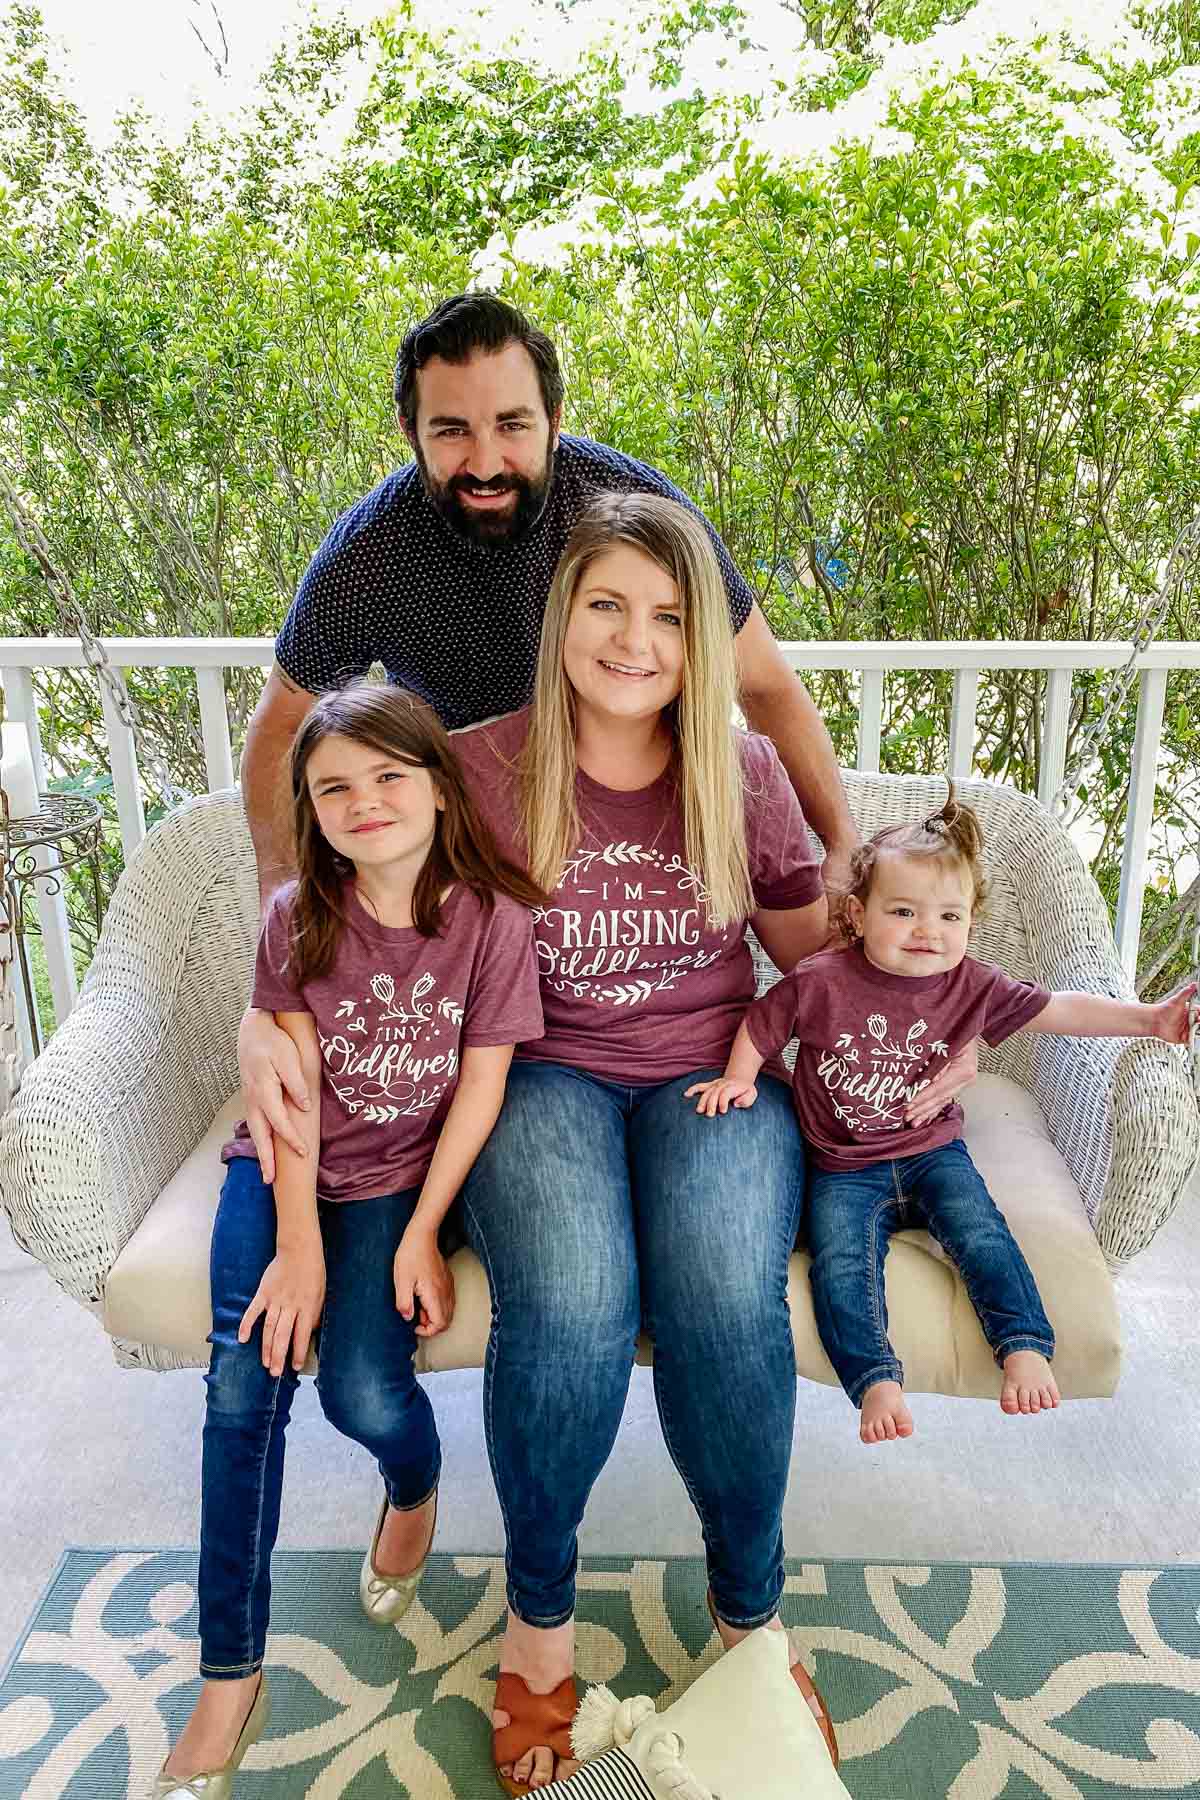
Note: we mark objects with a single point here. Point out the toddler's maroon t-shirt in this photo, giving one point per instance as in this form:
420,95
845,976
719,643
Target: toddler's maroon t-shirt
868,1041
393,1016
636,985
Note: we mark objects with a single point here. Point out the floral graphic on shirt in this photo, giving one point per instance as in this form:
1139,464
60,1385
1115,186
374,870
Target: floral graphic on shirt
873,1075
616,922
397,1067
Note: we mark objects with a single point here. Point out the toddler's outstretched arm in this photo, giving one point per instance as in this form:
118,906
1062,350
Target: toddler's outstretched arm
736,1085
1096,1015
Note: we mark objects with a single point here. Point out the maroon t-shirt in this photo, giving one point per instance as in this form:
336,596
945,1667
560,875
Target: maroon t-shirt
869,1041
636,986
393,1016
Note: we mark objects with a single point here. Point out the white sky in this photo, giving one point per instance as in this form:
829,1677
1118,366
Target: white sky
118,50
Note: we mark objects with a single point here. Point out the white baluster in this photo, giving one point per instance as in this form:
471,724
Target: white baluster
962,722
127,787
1152,695
51,907
214,725
1055,722
870,719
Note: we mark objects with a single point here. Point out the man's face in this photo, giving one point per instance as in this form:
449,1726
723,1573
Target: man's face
483,443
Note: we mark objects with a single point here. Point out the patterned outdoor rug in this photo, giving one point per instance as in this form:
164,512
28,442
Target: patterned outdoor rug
987,1683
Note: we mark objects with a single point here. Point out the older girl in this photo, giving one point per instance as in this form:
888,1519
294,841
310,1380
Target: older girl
400,964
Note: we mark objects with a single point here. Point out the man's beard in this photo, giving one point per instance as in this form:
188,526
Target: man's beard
489,528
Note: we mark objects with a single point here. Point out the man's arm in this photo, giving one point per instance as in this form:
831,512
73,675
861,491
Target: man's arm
266,786
777,704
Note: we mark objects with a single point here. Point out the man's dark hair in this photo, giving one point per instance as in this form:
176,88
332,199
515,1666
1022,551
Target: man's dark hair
462,325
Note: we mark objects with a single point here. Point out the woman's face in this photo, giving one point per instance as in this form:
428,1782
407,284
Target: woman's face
623,652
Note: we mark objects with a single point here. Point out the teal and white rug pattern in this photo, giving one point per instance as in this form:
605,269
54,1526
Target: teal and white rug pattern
1005,1682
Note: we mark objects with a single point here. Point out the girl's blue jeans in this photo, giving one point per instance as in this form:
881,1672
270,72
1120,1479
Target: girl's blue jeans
366,1386
853,1215
595,1209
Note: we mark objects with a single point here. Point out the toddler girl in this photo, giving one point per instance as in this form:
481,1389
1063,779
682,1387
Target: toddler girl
401,964
873,1024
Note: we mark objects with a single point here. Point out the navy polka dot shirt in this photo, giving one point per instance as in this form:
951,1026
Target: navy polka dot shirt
455,621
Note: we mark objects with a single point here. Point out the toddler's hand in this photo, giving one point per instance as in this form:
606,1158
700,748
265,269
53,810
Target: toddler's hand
717,1096
1169,1019
422,1273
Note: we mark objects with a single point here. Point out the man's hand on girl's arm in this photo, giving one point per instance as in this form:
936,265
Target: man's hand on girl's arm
271,1073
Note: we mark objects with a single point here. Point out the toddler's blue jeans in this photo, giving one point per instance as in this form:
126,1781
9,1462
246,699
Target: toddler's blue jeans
853,1215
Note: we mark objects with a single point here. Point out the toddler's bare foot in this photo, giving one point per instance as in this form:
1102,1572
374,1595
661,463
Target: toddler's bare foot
1029,1384
885,1414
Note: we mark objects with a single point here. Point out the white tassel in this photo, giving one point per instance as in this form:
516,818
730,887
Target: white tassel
603,1721
672,1780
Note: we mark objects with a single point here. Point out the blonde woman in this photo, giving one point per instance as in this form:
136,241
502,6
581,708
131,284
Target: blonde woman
601,1203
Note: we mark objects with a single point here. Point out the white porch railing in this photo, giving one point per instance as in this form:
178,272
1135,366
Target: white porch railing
19,657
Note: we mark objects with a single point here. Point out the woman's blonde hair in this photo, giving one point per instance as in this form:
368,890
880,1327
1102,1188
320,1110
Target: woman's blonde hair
954,833
708,764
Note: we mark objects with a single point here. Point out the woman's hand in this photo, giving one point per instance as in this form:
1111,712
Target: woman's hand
946,1086
719,1096
422,1273
269,1065
289,1298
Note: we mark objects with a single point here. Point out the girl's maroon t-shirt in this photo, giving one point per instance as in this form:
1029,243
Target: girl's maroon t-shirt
868,1041
393,1016
636,985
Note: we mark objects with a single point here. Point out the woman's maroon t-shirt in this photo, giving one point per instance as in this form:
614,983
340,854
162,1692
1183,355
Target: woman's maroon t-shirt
868,1041
636,985
393,1016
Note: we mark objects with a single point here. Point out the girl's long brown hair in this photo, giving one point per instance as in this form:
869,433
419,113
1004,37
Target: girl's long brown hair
398,725
954,832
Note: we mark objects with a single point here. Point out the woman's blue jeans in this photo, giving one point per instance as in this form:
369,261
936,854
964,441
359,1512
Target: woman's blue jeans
853,1214
366,1385
596,1209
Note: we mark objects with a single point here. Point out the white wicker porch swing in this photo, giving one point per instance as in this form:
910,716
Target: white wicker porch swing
109,1165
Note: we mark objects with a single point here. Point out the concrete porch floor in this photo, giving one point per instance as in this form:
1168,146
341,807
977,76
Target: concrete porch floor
96,1455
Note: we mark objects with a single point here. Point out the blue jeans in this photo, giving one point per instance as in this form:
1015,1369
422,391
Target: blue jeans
366,1386
852,1217
597,1208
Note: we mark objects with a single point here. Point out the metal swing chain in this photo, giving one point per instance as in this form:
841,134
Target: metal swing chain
1114,696
1115,692
33,542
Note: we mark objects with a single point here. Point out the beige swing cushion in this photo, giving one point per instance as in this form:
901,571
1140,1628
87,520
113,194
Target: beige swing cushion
109,1156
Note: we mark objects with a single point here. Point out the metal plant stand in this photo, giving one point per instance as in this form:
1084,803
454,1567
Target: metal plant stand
64,834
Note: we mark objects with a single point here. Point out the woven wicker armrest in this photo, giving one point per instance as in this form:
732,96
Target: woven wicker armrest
130,1082
1121,1111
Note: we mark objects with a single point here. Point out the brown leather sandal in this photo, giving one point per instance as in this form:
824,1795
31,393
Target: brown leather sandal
533,1719
808,1688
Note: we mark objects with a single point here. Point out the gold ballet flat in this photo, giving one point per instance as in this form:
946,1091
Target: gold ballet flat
217,1784
386,1598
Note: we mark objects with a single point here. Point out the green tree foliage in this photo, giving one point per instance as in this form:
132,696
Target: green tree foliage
934,382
